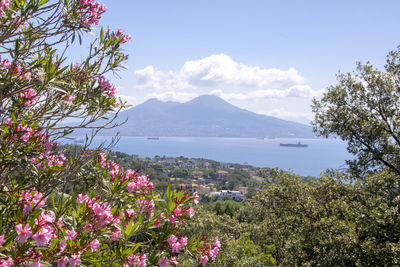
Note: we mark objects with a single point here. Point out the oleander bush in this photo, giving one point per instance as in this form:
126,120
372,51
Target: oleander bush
84,209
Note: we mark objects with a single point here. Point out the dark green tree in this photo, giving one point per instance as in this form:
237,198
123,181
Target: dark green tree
364,110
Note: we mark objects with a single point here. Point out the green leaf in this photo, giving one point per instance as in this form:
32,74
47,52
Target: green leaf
41,3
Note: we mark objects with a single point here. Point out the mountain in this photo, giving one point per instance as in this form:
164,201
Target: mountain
206,116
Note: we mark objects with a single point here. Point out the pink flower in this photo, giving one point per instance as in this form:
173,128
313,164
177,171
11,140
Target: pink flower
2,240
177,212
162,216
45,218
176,247
75,260
172,240
42,237
94,245
82,198
142,259
172,218
130,213
62,262
24,232
70,234
88,227
183,241
62,246
190,211
174,261
131,186
35,264
216,242
133,259
213,253
69,98
203,260
4,4
6,263
196,198
116,235
163,262
29,95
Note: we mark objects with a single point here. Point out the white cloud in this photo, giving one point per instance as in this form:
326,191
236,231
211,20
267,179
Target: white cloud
296,91
222,70
149,77
219,71
173,96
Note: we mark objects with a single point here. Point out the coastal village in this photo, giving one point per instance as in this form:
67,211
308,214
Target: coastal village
218,180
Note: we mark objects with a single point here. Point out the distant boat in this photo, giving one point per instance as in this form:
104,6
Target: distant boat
294,145
260,138
153,138
78,141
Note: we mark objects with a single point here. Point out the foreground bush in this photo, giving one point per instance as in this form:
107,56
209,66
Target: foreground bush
84,210
329,221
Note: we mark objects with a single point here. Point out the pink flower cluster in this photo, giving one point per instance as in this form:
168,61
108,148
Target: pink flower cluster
175,244
89,12
4,4
145,205
101,216
106,87
69,98
180,213
29,96
210,251
56,160
44,230
15,68
120,34
74,261
31,200
138,182
165,262
7,262
137,261
26,133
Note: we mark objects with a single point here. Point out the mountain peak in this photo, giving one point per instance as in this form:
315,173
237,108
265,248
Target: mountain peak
206,115
207,99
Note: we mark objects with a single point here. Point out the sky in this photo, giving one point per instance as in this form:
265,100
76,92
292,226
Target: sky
269,57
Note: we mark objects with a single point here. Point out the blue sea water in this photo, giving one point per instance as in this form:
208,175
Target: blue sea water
320,154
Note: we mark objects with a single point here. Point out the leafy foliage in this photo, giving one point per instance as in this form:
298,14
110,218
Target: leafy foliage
364,110
328,222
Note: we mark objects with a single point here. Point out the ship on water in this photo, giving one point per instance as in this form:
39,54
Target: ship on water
294,145
153,138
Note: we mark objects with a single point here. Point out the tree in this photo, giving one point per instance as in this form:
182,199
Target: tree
85,208
363,109
329,221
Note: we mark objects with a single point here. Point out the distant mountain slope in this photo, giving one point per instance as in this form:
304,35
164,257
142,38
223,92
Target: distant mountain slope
207,116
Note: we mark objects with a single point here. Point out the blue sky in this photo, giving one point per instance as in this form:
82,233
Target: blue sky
270,57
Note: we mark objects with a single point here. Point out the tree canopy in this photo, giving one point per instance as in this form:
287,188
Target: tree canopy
363,109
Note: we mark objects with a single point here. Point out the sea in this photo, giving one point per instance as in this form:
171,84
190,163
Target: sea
318,156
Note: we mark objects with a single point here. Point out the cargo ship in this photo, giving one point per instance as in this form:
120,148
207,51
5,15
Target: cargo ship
153,138
294,145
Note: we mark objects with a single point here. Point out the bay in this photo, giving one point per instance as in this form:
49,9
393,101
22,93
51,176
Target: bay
320,154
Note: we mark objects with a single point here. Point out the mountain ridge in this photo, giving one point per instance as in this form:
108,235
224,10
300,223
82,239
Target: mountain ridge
204,116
